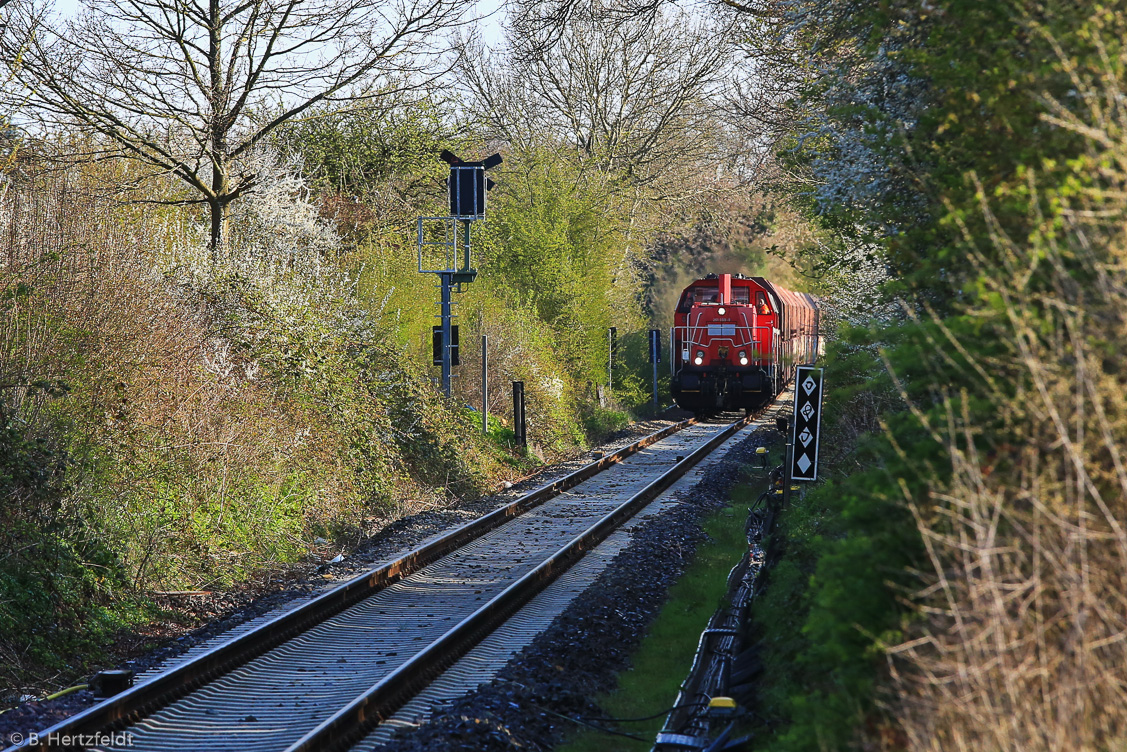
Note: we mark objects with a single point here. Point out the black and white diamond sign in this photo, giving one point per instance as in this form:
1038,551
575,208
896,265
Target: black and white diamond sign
807,422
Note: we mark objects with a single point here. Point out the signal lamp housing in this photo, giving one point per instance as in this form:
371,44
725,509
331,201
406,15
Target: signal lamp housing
468,185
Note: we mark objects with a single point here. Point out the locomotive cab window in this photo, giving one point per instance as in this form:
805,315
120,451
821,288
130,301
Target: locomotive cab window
705,294
761,303
741,296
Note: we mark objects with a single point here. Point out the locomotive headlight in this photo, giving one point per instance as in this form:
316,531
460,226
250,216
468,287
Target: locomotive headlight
743,358
699,358
720,310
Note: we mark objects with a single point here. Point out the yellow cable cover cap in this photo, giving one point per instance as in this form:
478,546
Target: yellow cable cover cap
722,702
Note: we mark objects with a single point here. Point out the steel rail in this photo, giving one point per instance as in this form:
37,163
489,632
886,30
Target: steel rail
380,700
147,697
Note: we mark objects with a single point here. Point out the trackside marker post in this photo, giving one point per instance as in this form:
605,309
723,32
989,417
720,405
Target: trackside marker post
806,429
485,384
520,425
612,345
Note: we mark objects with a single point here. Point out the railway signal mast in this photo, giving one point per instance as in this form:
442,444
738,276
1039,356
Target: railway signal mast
439,248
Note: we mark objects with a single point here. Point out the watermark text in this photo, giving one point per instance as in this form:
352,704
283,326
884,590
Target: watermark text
55,739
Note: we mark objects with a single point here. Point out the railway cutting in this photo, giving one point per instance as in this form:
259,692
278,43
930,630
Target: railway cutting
327,674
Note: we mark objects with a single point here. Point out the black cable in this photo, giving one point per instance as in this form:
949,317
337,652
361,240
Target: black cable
582,722
651,717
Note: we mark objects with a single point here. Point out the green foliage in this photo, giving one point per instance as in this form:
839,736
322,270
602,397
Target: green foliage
60,584
600,421
830,602
195,426
504,440
549,260
963,123
393,424
659,665
849,548
375,170
965,86
554,239
202,417
355,151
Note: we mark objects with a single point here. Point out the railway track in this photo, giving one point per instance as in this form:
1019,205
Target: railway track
324,674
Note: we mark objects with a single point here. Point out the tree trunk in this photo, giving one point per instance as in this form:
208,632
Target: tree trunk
218,227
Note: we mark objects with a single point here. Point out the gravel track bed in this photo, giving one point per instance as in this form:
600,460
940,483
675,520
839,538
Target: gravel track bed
227,610
534,700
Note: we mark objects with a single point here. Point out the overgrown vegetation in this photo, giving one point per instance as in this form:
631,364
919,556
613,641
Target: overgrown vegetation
172,422
956,584
949,176
214,340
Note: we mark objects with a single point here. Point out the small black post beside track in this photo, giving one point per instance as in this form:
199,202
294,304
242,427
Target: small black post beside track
384,697
147,697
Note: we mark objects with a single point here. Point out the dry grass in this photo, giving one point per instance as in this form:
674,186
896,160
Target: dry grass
167,429
1021,642
173,420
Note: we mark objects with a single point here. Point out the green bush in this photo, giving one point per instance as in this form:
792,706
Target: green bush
600,422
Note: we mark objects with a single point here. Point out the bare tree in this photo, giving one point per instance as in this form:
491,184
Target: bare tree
638,97
768,65
191,87
543,21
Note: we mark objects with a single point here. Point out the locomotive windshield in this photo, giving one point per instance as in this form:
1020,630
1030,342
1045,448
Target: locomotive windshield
696,295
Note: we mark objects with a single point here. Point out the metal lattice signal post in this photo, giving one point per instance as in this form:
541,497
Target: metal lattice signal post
438,246
447,316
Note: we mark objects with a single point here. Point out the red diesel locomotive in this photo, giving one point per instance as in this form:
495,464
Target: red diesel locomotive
736,339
